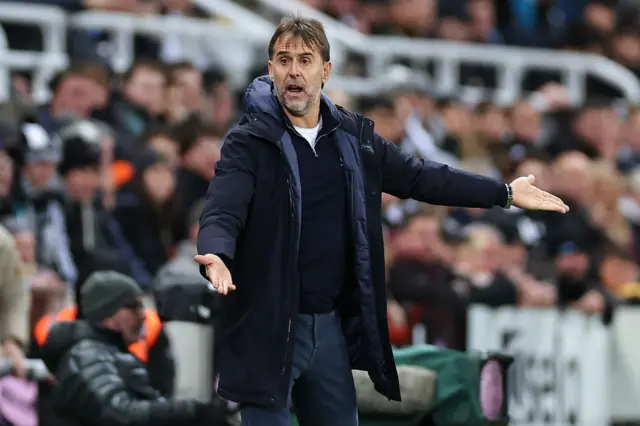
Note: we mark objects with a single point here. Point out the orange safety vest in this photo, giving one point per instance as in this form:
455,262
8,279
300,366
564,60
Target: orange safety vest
140,348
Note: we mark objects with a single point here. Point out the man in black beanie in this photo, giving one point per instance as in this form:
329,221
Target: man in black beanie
95,237
98,381
113,301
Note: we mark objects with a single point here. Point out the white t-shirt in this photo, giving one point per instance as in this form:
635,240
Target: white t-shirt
310,134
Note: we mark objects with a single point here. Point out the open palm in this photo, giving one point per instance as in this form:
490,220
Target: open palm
217,272
527,196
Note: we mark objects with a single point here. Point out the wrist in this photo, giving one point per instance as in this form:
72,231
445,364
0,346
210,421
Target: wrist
509,201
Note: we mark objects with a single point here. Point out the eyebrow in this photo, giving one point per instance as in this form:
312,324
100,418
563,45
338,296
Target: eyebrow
286,52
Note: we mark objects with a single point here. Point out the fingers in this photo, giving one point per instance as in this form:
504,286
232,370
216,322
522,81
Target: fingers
222,286
559,202
556,207
554,203
202,259
225,287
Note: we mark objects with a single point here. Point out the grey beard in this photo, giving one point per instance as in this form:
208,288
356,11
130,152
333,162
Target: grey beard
299,112
296,111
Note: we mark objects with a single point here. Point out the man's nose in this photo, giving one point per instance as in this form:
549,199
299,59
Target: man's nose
294,71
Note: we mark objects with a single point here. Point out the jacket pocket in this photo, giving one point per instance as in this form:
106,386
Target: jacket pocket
232,314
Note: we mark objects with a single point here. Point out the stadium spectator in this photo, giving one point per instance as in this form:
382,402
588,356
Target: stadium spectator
144,212
95,237
14,304
188,79
7,173
75,94
98,382
138,106
221,108
48,292
164,141
180,270
38,198
152,348
199,151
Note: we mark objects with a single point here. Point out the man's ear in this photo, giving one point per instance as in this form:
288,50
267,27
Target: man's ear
326,71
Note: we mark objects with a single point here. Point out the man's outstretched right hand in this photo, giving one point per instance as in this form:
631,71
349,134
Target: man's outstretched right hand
217,272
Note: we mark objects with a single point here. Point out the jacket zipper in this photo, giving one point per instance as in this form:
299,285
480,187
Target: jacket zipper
293,217
286,350
315,154
322,136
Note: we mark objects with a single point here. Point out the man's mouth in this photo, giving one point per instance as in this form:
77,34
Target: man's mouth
294,88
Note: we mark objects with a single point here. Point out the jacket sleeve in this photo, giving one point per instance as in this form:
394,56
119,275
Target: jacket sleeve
406,176
228,198
15,299
90,390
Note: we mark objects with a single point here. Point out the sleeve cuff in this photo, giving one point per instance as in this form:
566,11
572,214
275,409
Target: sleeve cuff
502,195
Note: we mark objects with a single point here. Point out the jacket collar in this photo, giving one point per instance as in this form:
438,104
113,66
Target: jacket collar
263,112
109,336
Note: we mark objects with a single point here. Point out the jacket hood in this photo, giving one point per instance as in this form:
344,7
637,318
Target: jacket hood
260,97
260,103
62,336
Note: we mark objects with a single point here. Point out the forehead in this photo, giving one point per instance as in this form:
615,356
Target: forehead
532,165
186,74
162,139
145,72
293,44
209,139
423,223
76,80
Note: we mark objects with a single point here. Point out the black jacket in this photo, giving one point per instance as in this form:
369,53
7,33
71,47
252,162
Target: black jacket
99,383
160,368
252,220
96,241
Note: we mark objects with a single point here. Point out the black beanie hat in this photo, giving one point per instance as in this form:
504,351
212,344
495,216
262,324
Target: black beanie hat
105,292
78,154
148,157
81,145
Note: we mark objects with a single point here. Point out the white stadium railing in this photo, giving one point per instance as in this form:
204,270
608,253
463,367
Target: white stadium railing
234,43
53,22
203,34
511,62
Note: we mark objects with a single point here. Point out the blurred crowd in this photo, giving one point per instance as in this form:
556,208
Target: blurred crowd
442,259
101,179
110,173
606,27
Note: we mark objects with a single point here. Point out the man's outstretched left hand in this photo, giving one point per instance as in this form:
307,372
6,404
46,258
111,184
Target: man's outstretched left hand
529,197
